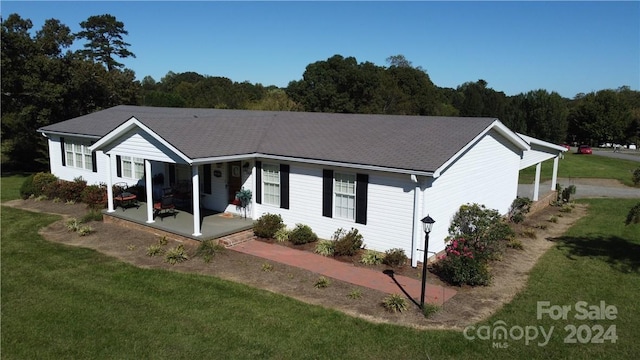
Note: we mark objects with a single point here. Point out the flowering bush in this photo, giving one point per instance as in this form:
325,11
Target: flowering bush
460,266
477,236
463,269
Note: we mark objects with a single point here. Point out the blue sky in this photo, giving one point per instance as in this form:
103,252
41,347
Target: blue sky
567,47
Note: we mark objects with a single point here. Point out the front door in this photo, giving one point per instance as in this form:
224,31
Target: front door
235,179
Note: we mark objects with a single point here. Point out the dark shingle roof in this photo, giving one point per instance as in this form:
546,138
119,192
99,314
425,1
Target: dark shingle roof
420,143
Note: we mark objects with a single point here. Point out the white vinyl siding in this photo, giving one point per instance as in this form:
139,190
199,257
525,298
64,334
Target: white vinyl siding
271,184
132,167
78,155
344,188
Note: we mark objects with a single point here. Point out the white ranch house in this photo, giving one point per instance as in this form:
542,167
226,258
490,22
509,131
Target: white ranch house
380,174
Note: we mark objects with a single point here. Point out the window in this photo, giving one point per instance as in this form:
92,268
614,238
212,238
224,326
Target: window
345,195
132,167
271,184
78,155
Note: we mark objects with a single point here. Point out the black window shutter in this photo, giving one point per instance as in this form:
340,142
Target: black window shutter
94,161
172,174
207,178
284,186
362,185
327,193
258,182
118,166
64,153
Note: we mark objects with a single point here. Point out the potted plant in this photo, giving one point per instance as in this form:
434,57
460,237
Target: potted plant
244,198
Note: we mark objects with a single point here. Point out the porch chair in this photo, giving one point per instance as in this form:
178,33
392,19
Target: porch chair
165,205
123,198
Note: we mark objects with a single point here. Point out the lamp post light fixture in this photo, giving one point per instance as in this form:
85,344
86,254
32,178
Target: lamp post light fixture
427,225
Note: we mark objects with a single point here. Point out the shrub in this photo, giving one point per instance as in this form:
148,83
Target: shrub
553,219
41,181
176,255
430,309
267,225
460,270
92,215
94,196
208,249
633,217
282,235
85,230
519,208
266,267
395,257
71,190
394,303
302,234
482,229
72,224
515,244
372,257
564,194
347,243
636,176
154,249
530,233
27,188
355,294
325,248
566,209
321,283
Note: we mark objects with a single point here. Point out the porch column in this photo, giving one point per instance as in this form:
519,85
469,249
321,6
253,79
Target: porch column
554,177
148,183
195,180
109,186
536,184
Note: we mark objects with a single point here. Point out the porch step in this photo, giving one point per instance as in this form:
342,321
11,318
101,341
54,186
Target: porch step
237,238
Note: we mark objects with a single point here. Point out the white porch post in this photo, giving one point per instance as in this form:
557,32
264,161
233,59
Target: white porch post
536,185
149,189
109,186
195,179
554,177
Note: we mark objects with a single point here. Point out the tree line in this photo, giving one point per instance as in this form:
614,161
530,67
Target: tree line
43,82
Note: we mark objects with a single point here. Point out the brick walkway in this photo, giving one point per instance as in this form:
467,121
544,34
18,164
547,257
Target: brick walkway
345,272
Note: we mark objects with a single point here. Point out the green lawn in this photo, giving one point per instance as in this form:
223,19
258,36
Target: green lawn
67,302
584,166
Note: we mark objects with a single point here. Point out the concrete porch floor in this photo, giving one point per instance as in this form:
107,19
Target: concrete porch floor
213,224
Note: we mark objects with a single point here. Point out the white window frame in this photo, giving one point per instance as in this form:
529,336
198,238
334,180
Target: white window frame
344,200
271,184
77,155
132,167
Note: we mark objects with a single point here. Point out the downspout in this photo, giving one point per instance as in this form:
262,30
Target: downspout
416,220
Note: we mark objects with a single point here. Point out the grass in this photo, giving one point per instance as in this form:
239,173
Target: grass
584,166
68,302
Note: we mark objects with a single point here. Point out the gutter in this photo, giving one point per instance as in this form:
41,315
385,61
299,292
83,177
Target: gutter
416,220
311,161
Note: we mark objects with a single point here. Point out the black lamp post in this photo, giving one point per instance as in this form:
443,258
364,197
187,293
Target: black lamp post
427,224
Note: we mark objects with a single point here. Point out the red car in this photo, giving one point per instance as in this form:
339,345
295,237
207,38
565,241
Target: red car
584,149
566,146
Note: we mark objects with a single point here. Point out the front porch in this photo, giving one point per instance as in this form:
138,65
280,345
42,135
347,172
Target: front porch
214,225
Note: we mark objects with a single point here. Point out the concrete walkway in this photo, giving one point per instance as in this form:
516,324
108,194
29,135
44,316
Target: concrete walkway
350,273
585,189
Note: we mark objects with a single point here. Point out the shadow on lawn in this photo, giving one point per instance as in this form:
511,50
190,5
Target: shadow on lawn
619,253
